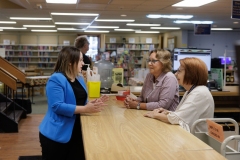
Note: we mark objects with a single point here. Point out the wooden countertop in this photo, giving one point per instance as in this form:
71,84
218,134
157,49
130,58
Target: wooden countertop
136,90
120,133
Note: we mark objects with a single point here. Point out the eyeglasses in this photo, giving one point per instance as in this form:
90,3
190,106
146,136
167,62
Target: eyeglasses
153,61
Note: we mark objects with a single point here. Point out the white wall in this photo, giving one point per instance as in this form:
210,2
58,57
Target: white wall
217,41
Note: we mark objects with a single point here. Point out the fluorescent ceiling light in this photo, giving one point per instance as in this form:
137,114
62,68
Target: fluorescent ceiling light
71,23
41,26
169,16
8,22
115,20
30,18
221,29
124,29
192,3
62,1
165,28
36,30
1,30
147,32
11,28
74,14
69,29
103,27
97,31
194,22
138,24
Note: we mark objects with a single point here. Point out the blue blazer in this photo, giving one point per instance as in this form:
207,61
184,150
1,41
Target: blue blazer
58,122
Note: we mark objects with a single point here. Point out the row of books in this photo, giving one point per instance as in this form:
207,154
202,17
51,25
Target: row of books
26,59
46,66
26,47
140,46
27,53
131,46
24,53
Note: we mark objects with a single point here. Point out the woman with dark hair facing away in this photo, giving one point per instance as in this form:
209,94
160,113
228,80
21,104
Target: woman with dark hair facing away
160,87
81,42
197,101
60,130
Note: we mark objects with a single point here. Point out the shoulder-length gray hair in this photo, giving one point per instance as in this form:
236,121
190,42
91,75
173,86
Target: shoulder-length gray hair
164,56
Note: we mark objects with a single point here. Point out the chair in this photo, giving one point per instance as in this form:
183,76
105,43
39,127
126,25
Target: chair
229,148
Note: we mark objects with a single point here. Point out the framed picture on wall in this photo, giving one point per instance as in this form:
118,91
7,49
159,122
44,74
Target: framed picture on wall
171,43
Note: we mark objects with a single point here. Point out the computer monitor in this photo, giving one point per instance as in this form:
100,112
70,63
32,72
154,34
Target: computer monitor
181,53
226,60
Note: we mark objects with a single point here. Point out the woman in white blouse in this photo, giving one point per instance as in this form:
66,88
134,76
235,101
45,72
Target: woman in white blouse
197,101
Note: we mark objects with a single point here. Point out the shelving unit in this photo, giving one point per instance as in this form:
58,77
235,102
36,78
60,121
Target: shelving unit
133,59
231,78
32,56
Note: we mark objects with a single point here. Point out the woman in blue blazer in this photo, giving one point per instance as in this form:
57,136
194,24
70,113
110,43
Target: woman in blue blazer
60,130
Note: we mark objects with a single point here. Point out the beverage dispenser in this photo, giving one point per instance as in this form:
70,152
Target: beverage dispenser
105,70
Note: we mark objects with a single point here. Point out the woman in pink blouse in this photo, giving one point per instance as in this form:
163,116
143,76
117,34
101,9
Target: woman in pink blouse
160,88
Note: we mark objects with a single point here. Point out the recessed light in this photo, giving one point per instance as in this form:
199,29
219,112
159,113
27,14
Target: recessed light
97,31
235,22
124,30
103,27
30,18
123,15
115,20
69,29
74,14
147,32
169,16
36,30
138,24
194,22
71,23
191,3
221,29
165,28
62,1
8,22
41,26
11,28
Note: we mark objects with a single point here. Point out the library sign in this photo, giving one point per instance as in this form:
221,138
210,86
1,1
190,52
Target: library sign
236,9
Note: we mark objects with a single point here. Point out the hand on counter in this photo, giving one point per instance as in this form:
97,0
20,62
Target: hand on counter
93,106
160,114
130,102
103,99
156,113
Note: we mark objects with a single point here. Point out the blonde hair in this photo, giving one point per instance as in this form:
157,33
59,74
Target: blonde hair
164,56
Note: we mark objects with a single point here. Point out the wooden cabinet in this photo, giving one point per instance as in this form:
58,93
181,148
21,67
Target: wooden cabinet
32,56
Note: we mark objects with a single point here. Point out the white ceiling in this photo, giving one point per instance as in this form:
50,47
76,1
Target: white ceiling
219,12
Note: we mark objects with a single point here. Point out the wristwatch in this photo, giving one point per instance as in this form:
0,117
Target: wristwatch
138,105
